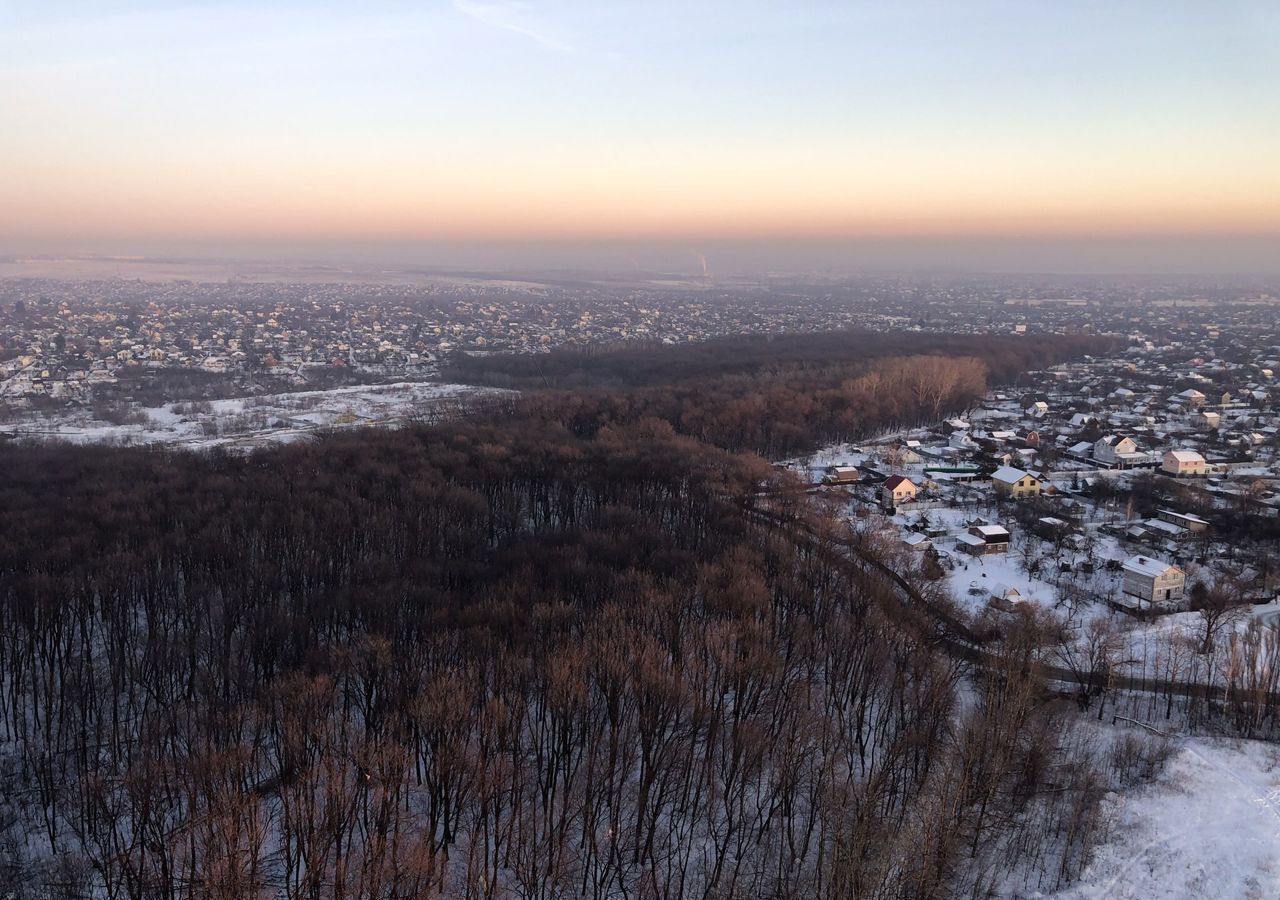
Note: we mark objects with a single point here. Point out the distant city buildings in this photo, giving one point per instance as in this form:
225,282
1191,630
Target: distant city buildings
70,342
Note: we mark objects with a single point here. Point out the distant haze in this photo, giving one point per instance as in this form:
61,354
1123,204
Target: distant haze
1136,136
1231,255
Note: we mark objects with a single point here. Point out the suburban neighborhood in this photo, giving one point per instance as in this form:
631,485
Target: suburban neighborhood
1102,492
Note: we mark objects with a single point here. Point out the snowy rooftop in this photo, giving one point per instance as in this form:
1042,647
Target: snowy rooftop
1008,474
1145,565
1190,517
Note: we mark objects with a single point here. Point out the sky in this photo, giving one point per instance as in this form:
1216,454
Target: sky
801,134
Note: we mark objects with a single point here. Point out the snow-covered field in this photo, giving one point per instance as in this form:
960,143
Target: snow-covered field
976,579
252,421
1208,828
812,467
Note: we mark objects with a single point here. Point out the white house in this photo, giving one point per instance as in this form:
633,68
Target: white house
1184,463
1153,581
1108,449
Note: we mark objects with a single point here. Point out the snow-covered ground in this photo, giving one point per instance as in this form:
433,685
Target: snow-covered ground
812,467
252,421
1208,828
976,579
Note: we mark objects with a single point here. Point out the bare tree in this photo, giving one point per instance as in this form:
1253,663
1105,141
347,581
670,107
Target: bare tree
1219,604
1091,656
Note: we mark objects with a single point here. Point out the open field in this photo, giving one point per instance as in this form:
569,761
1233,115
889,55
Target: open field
251,421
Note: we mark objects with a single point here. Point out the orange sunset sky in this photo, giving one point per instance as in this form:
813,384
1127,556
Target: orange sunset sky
568,121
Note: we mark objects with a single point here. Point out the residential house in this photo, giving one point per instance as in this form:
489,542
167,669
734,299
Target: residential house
1007,481
981,540
897,490
841,475
898,455
1185,521
1184,464
1051,528
1207,418
1190,398
1153,581
1109,448
914,540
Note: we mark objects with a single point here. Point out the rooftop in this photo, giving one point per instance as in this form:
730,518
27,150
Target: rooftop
1145,565
1008,474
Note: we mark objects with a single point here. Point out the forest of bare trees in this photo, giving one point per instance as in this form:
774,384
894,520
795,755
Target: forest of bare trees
548,651
647,364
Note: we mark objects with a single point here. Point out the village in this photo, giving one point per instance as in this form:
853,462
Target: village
1144,495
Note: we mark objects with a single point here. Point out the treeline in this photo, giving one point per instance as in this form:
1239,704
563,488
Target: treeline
778,397
789,413
488,661
154,387
644,363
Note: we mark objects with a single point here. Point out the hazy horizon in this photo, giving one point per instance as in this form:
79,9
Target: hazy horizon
988,136
1194,255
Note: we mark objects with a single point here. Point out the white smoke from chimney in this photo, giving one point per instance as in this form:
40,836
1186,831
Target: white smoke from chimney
703,260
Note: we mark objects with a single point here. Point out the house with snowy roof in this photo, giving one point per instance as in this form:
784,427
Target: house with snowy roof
1153,581
1184,464
1007,481
1189,398
914,540
841,475
981,540
1109,448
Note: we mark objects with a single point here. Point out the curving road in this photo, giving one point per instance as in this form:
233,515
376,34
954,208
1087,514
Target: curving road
962,642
